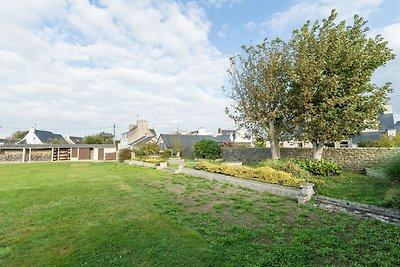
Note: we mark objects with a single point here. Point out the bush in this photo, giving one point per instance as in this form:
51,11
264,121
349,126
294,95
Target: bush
368,143
124,154
392,198
320,167
207,149
383,141
149,149
166,154
392,167
286,166
263,174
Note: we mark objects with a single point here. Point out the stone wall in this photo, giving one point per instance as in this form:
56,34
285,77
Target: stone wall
353,159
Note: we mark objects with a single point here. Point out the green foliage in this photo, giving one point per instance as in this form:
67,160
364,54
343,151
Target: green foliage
207,149
392,167
259,142
18,135
392,198
58,141
166,153
360,188
149,149
262,174
124,154
176,145
383,141
368,143
100,138
331,90
320,167
286,166
259,85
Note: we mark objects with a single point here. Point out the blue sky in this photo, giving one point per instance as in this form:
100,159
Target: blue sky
77,67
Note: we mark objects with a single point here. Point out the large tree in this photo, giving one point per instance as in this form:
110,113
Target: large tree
259,84
18,135
331,93
100,138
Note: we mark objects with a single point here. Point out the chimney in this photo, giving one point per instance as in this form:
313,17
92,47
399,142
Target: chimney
142,127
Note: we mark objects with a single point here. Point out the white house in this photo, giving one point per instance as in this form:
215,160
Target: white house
37,137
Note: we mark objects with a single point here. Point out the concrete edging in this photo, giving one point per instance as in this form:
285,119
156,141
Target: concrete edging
363,210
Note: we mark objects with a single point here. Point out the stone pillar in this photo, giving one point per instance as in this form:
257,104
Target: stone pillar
30,154
52,154
23,154
307,191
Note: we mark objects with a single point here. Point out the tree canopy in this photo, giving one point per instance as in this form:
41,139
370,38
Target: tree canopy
316,87
100,138
332,97
259,84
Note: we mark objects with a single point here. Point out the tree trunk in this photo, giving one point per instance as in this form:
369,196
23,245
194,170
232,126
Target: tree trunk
274,141
318,147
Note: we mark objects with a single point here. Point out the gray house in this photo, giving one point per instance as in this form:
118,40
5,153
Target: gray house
167,141
387,128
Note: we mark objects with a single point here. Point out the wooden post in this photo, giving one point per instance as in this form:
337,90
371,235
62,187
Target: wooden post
58,154
23,154
30,153
52,154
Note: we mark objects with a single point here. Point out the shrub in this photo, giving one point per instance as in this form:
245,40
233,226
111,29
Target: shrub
124,154
286,166
320,167
147,150
207,149
368,143
383,141
166,153
263,174
392,198
392,167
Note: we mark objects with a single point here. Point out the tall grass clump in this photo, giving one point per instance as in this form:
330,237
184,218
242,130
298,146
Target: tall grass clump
392,167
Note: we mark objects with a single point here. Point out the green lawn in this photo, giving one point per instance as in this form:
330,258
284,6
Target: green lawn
359,188
103,214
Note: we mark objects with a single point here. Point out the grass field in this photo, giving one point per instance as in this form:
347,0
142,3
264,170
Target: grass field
103,214
359,188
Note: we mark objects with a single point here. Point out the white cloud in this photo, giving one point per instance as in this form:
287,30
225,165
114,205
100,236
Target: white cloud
298,13
71,65
251,26
220,3
223,32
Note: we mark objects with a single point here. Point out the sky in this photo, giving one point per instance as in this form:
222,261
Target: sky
78,67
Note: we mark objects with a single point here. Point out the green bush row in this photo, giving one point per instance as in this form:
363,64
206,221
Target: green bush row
320,167
263,174
384,141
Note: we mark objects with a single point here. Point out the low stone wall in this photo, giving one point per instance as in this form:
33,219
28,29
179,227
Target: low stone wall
353,159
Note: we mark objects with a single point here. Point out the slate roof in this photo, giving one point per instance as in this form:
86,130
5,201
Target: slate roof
386,121
47,136
397,124
130,130
76,139
141,140
189,140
